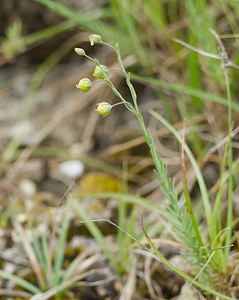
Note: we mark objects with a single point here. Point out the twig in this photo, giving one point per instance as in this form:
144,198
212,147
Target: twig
199,51
229,219
221,143
226,61
14,293
26,243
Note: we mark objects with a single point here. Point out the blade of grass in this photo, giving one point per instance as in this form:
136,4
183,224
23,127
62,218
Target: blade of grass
90,21
217,217
19,281
153,9
185,276
73,266
229,163
194,74
122,217
47,33
144,202
29,251
93,229
47,259
60,250
36,244
202,17
51,61
224,62
186,90
127,22
191,211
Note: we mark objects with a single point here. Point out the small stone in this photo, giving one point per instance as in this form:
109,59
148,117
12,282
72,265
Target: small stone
71,168
28,187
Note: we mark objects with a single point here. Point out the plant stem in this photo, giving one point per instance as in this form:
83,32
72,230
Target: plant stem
229,162
191,212
186,277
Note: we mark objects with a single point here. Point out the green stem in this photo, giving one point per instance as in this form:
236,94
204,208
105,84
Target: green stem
229,162
127,77
186,277
47,33
191,212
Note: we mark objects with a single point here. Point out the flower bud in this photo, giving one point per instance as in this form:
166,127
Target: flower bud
101,72
80,51
95,39
84,84
104,109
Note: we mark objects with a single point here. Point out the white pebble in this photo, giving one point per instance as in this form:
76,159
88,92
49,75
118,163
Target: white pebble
71,168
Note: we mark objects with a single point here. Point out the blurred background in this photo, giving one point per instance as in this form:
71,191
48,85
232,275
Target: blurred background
52,142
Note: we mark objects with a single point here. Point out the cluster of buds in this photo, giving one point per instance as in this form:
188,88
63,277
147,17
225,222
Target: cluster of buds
100,72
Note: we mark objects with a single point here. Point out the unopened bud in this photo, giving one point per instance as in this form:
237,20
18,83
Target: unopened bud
84,84
95,39
80,51
104,109
101,72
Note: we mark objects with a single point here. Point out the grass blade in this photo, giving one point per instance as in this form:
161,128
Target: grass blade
94,230
59,255
185,276
182,89
19,281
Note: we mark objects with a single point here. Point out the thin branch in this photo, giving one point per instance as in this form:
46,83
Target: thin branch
14,293
227,63
199,51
